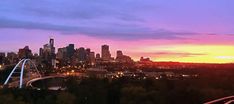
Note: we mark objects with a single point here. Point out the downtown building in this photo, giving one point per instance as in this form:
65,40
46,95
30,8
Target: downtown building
65,55
47,54
121,58
25,53
12,57
85,56
2,57
106,56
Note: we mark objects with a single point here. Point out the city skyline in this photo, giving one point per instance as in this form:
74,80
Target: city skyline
114,55
164,31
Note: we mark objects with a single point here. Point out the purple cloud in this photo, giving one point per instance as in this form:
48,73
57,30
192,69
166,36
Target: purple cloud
114,19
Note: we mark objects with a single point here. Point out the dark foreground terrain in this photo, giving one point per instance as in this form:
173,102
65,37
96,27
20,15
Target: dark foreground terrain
209,85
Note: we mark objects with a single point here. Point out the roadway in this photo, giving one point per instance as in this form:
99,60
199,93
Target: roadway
56,86
224,100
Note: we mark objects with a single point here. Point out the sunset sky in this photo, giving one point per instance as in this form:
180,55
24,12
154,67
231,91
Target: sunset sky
164,30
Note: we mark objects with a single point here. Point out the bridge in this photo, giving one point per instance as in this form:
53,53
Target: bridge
25,73
16,77
56,82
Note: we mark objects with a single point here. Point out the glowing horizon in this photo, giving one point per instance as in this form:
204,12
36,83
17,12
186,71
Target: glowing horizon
196,54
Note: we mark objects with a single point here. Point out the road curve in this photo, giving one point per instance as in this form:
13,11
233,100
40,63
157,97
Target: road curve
224,100
29,83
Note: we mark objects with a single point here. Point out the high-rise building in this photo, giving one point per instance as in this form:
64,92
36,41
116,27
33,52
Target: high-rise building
48,50
25,53
2,56
62,53
51,42
82,56
106,53
67,55
70,50
92,57
12,57
52,46
41,52
88,52
47,53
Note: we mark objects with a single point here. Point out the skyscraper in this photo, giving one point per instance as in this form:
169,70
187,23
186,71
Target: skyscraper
92,57
62,54
25,53
70,50
88,51
51,42
48,50
82,56
106,53
47,53
52,46
2,56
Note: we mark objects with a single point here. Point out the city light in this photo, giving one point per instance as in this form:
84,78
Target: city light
117,52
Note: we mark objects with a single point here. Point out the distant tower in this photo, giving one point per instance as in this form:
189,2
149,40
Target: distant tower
119,53
51,42
70,50
82,56
98,56
48,52
25,53
106,52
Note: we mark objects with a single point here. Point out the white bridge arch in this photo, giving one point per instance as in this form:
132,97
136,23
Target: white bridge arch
23,62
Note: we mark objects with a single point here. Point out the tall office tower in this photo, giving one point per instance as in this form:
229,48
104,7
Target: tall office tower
2,57
62,54
82,56
25,53
51,42
92,57
70,50
88,51
47,53
48,50
52,46
106,53
41,52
